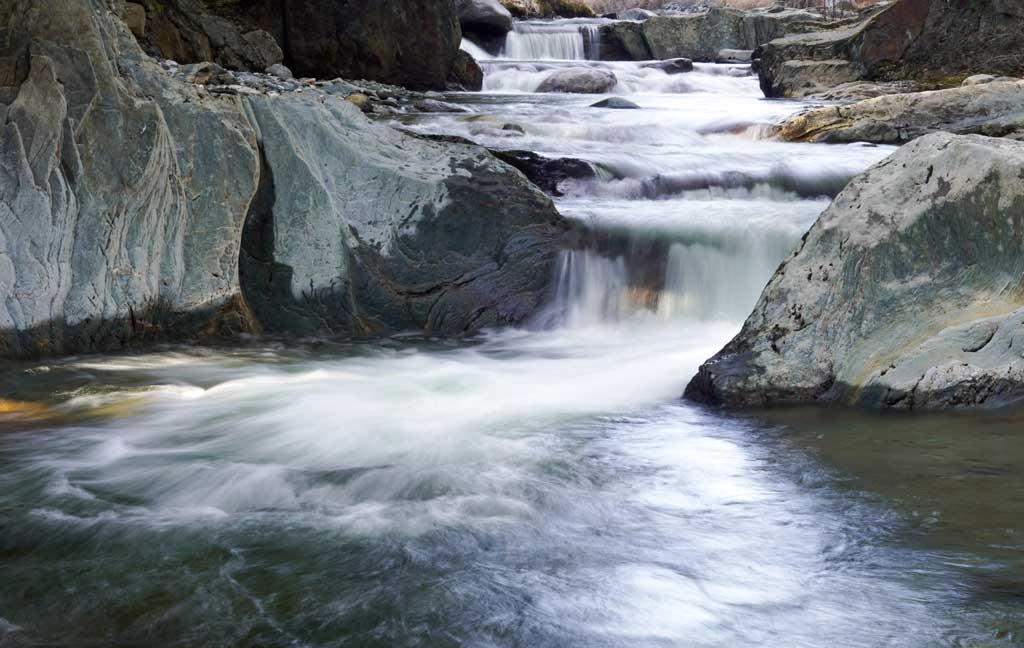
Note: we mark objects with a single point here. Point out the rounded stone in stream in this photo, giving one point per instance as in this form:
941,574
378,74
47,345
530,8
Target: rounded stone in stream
514,128
672,66
615,102
435,106
579,81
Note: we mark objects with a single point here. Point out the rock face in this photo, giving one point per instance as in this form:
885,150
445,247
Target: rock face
995,109
624,41
930,41
413,44
579,80
907,293
127,197
483,16
466,73
701,36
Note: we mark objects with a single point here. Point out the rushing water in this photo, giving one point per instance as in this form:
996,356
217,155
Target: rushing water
535,487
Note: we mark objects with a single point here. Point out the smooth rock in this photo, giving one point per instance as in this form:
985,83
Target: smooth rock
549,174
995,109
281,72
624,41
904,294
466,73
435,106
483,16
514,128
672,66
579,81
617,103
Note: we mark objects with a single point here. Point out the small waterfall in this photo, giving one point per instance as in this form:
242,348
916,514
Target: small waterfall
553,41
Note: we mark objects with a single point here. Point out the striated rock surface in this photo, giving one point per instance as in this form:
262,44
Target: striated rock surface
127,195
935,42
995,109
907,293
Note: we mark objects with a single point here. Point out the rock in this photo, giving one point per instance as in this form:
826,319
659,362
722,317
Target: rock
483,16
733,56
412,44
360,101
702,36
978,79
547,173
435,106
995,109
905,293
636,14
579,80
137,208
359,229
615,102
204,74
189,32
281,72
672,66
624,41
466,73
929,41
514,128
135,18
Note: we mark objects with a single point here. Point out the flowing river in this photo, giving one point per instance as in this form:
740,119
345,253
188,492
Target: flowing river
538,487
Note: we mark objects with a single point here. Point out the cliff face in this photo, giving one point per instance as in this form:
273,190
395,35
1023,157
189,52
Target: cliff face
921,40
124,196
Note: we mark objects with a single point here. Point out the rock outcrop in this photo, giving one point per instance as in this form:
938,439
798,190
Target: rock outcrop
907,293
995,109
126,195
483,16
935,42
579,81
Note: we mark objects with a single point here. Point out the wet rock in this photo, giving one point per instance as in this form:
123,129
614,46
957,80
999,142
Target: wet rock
904,294
435,106
929,41
550,174
615,102
624,41
580,81
995,109
672,66
281,72
483,16
514,128
466,73
733,56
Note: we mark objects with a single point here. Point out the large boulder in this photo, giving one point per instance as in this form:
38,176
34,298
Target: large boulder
995,109
466,73
483,16
935,42
701,36
579,80
624,41
130,198
906,293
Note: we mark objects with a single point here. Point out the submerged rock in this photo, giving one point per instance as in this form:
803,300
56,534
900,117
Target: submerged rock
995,109
906,293
615,102
580,81
548,173
672,66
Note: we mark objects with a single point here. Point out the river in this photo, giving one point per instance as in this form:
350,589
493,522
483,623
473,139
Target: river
537,487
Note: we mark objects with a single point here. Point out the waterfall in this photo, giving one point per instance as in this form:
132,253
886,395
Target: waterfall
560,40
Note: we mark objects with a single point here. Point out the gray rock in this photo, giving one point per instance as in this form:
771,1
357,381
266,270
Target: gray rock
615,102
624,41
281,72
733,56
359,229
550,174
636,14
483,16
978,79
466,73
701,36
905,293
995,109
435,106
579,80
514,128
672,66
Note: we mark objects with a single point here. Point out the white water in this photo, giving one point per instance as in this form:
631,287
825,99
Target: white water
535,487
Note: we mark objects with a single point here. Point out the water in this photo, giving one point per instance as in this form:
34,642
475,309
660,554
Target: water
535,487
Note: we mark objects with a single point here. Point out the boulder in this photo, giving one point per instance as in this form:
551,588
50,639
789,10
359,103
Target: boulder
934,42
617,103
437,106
995,109
579,80
135,19
550,174
701,36
906,293
358,229
624,41
280,71
483,16
672,66
466,73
